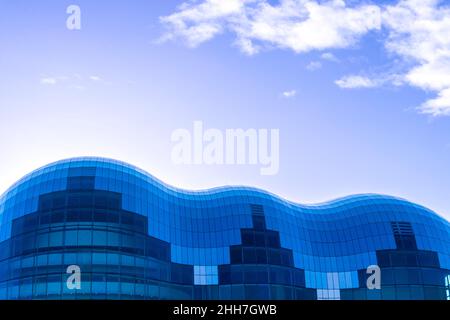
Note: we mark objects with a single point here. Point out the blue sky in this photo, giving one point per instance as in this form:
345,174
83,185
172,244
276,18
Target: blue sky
360,91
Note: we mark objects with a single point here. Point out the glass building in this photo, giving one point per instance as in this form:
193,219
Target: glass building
134,237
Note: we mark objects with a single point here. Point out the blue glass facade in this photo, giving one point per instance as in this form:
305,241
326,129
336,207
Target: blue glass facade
134,237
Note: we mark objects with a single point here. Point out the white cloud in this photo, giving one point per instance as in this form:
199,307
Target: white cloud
75,81
358,81
299,25
314,65
419,32
53,80
48,81
77,87
354,81
197,23
289,94
439,106
329,57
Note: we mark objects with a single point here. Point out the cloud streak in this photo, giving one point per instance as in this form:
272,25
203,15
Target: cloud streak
48,81
329,57
75,81
314,65
353,81
289,94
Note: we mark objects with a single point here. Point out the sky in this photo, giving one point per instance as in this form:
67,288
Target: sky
359,90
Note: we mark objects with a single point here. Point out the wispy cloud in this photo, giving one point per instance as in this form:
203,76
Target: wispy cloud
354,81
438,106
77,87
419,32
329,57
289,94
53,80
48,81
314,65
75,81
370,81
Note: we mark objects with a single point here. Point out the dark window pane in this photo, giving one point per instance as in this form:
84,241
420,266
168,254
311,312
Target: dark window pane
247,237
259,222
249,255
273,239
235,255
261,255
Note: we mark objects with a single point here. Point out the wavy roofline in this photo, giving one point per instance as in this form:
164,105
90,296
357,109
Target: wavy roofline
335,202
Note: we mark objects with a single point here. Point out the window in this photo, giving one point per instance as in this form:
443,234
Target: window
259,222
261,255
247,237
257,292
254,275
428,259
249,255
280,275
273,239
224,274
84,237
236,276
71,238
274,256
236,254
56,239
404,235
57,217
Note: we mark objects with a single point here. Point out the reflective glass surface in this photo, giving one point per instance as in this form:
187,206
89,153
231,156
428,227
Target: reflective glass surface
135,237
